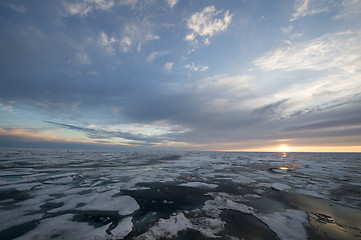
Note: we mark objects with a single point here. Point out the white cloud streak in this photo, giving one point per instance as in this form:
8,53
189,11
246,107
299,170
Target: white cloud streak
155,55
79,8
15,7
83,8
133,36
309,7
206,23
331,51
349,9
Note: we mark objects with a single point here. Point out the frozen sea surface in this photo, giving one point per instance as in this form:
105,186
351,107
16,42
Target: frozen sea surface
82,194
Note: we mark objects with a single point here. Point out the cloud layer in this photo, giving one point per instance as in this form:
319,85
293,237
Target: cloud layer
225,75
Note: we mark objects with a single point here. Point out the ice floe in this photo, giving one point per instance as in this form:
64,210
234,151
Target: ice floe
198,185
287,225
280,186
167,228
105,201
62,227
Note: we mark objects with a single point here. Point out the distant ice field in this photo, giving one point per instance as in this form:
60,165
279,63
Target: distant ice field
92,194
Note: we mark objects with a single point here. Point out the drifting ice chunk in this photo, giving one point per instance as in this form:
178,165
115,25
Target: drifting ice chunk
167,228
287,225
98,202
222,201
199,185
123,228
280,186
124,204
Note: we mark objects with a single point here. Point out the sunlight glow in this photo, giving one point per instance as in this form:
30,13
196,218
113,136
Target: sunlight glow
284,148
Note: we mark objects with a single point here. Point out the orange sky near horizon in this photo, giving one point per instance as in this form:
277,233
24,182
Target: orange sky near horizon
288,148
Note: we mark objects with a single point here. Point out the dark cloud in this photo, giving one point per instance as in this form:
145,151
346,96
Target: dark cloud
103,134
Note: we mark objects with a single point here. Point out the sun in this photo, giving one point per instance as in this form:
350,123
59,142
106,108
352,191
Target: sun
284,148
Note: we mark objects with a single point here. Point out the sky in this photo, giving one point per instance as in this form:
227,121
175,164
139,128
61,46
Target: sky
230,75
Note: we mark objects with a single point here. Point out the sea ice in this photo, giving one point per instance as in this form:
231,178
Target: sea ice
167,228
198,185
98,202
62,228
287,225
123,228
222,201
280,186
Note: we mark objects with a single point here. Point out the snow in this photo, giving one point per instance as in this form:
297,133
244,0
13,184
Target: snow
208,227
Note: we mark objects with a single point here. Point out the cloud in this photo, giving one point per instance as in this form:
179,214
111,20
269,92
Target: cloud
200,68
104,5
301,9
331,51
125,43
132,36
206,24
7,108
349,9
172,3
168,66
84,7
101,134
15,7
83,58
273,108
155,55
309,7
36,135
79,8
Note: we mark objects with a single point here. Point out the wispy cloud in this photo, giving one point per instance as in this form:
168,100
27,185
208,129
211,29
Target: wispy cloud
172,3
36,135
309,7
207,23
330,51
83,58
132,36
7,108
168,66
155,55
349,9
196,68
79,8
15,7
84,7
